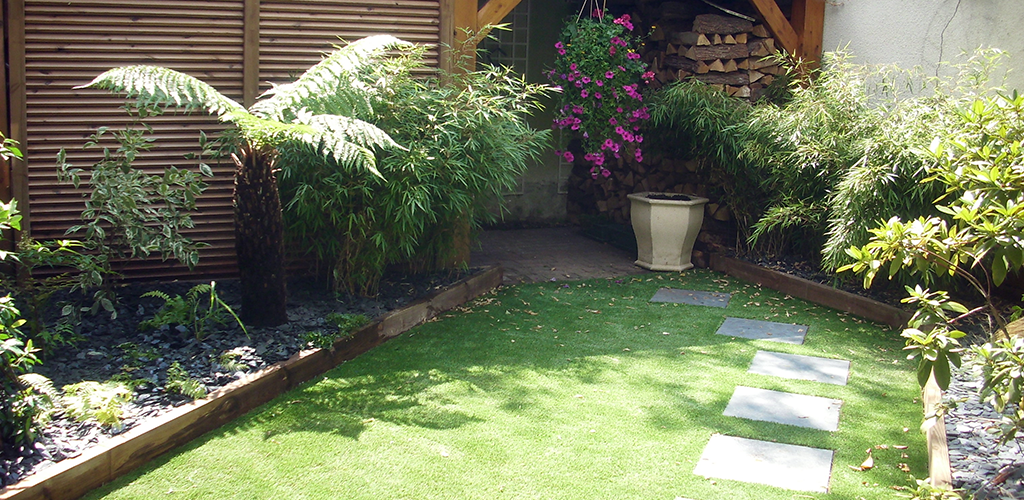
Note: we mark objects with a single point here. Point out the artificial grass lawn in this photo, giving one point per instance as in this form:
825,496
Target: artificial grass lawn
556,391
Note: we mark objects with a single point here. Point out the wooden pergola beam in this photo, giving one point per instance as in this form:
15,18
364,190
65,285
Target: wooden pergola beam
778,24
800,37
494,11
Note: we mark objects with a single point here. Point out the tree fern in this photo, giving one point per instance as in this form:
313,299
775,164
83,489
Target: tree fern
335,78
320,111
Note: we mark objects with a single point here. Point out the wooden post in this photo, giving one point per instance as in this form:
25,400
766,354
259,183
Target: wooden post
808,21
17,107
446,25
938,450
251,52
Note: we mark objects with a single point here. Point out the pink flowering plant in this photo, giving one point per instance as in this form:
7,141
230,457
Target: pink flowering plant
599,72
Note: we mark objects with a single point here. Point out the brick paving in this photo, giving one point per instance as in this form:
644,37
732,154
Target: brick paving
551,254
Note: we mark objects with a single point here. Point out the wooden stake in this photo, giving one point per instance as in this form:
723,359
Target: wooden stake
741,38
717,40
730,66
729,40
717,66
703,40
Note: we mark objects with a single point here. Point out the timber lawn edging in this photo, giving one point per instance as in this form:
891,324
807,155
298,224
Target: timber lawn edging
937,447
74,477
811,291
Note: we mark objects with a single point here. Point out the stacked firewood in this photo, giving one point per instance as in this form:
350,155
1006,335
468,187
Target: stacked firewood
663,175
728,53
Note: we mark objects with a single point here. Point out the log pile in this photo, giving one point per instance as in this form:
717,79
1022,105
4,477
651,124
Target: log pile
664,175
728,53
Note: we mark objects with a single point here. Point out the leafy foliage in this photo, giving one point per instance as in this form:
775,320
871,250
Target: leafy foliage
102,402
978,238
179,382
27,397
844,149
192,310
129,213
465,141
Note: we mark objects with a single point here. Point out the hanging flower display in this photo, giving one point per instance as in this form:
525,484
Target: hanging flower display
599,72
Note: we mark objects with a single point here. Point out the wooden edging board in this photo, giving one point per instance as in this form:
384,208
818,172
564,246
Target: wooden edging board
938,450
811,291
73,477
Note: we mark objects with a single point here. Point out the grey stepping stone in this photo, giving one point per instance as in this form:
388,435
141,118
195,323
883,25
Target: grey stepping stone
763,330
783,465
784,408
692,297
795,366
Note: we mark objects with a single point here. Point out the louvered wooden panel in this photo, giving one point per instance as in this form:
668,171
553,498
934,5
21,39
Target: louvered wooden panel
294,35
70,42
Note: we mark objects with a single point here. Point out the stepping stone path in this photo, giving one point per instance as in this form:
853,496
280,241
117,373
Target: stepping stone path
797,367
784,408
763,330
787,466
692,297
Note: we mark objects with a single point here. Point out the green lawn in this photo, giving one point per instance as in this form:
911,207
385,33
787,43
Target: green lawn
556,391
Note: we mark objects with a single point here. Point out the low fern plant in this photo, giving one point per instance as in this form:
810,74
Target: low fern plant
179,382
192,309
103,402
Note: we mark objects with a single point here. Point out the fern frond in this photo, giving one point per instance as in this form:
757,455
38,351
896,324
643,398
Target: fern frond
165,87
157,294
334,78
39,384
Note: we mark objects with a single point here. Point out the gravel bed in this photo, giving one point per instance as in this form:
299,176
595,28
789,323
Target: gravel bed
111,347
980,464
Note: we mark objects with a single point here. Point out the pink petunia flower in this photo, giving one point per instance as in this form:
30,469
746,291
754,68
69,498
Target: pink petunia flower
609,75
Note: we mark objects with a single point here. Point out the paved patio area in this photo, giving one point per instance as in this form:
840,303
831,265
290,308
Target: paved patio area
551,254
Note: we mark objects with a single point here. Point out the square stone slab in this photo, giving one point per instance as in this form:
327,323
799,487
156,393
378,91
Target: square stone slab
763,330
784,408
795,366
692,297
783,465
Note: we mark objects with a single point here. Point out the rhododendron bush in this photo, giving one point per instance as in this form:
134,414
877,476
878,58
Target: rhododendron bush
599,72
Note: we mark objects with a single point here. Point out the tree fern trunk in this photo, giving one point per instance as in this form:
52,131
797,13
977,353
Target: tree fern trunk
259,238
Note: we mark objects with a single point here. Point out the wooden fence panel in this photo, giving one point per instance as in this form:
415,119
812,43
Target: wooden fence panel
67,43
294,35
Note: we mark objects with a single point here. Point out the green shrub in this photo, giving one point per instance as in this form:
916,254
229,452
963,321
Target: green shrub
842,151
465,141
978,237
27,397
130,213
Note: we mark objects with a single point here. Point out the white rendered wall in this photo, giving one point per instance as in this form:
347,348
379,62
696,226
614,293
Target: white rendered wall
921,33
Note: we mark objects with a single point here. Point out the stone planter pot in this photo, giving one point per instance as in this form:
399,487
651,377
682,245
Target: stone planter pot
666,226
